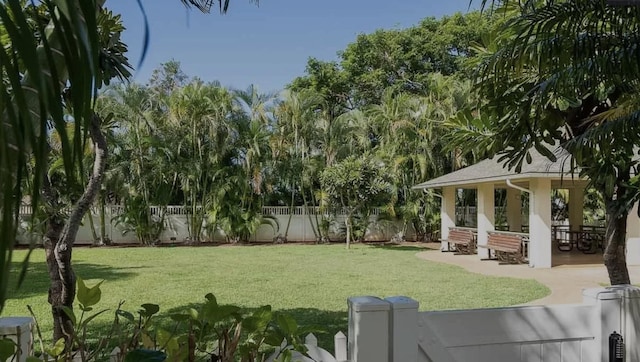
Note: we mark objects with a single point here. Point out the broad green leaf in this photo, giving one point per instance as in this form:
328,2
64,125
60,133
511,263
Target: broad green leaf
92,317
70,313
7,349
147,341
216,313
287,324
211,298
88,296
145,355
259,320
180,317
193,314
274,337
149,309
57,349
126,315
163,336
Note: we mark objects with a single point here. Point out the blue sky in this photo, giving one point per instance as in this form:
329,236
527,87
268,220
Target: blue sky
267,45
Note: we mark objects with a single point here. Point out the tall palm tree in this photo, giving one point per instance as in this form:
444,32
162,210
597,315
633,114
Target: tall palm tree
199,120
294,129
140,159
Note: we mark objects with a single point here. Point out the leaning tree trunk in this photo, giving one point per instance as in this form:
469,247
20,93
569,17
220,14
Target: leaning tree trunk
61,322
615,258
59,241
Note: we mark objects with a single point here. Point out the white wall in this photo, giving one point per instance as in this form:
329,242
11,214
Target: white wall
176,230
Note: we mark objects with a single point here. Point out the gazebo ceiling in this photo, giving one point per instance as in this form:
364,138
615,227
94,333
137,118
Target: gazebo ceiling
492,171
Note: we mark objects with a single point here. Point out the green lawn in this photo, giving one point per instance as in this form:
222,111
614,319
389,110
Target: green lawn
312,282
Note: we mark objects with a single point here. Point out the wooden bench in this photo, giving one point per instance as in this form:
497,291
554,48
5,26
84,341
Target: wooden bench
507,248
463,241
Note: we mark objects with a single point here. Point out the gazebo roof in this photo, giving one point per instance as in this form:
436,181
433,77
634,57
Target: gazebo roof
490,170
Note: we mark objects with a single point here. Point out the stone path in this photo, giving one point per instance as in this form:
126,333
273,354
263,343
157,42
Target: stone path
566,282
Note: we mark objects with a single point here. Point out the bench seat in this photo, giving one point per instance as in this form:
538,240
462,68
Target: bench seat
463,241
507,248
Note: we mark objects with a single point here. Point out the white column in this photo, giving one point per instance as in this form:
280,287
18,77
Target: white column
514,209
540,223
633,237
576,207
486,216
368,329
447,214
403,345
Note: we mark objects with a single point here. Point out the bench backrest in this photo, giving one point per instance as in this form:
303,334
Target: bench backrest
460,235
505,242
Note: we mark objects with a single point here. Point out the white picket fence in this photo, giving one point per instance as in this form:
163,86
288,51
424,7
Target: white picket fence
177,230
392,330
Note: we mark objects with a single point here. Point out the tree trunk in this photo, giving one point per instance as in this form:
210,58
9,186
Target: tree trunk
615,258
103,223
348,224
92,226
291,206
316,233
59,240
62,325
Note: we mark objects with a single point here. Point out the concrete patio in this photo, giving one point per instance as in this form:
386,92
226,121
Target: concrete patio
572,272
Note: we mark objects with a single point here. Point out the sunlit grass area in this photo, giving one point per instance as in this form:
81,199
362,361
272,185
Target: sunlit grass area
311,282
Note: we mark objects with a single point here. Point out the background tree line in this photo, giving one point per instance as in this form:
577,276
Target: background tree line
224,153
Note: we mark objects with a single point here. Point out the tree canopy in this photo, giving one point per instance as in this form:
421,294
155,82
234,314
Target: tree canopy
566,72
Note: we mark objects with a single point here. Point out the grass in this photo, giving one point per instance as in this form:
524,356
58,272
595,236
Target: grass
311,282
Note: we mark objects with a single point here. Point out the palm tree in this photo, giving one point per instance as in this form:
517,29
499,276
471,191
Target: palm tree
295,116
140,161
199,122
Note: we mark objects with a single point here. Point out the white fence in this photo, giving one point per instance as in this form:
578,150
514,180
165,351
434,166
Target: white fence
392,330
176,226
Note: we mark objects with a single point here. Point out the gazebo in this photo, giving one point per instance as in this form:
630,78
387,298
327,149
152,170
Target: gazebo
537,178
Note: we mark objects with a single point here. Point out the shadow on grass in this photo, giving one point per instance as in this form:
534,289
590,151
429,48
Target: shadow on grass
402,247
36,281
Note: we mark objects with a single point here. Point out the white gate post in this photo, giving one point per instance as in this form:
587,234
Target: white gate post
404,329
631,322
18,329
608,317
368,329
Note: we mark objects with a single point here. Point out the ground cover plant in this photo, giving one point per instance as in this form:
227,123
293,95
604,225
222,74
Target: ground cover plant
311,283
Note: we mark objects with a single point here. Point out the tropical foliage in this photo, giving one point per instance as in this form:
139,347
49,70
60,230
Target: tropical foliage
565,72
221,153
